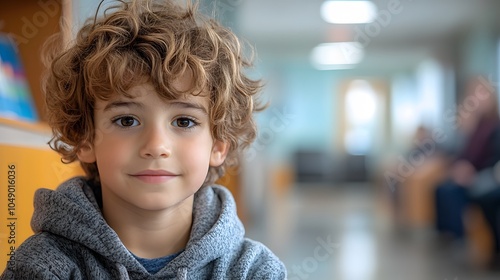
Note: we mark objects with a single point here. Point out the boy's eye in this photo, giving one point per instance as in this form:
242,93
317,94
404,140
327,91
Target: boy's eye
184,123
126,121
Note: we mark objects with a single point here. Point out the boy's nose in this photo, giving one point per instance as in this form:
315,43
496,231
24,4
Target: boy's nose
156,144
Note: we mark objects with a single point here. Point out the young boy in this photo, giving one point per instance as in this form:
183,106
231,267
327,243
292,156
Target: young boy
153,101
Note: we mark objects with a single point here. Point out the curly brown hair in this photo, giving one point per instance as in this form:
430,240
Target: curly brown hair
157,41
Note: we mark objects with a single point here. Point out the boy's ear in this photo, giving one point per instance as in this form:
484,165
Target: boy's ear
219,153
86,154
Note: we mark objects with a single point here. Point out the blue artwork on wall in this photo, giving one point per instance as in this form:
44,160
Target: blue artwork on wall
16,101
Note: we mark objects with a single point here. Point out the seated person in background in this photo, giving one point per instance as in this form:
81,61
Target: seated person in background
154,101
480,151
485,192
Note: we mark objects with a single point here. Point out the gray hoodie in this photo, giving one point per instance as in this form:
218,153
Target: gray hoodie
73,241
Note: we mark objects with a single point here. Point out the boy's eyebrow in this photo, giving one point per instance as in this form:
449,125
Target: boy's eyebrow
116,104
190,105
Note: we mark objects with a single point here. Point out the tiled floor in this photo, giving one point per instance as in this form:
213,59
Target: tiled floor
345,233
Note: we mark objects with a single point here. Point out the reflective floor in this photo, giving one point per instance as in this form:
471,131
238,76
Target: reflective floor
346,233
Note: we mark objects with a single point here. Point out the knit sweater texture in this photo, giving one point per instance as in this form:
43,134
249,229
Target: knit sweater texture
73,241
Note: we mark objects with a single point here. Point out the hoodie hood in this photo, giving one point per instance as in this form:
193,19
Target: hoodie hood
72,212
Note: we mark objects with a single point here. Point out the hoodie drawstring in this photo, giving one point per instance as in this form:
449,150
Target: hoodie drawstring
182,273
123,272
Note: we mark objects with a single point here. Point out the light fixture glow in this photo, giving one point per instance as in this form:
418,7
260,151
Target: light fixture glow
348,12
342,55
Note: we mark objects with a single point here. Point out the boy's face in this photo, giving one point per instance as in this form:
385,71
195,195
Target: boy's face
152,154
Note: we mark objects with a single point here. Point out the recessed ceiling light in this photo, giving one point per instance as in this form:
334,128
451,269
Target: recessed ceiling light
348,12
342,55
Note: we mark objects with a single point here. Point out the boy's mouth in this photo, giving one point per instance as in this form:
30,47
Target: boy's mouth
154,176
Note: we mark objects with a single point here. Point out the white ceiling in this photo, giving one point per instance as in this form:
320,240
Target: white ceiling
293,27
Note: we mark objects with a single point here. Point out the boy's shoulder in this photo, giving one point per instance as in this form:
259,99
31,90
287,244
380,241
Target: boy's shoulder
256,261
42,256
221,234
46,255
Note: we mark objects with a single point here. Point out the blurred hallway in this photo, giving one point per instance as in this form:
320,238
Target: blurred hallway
345,233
